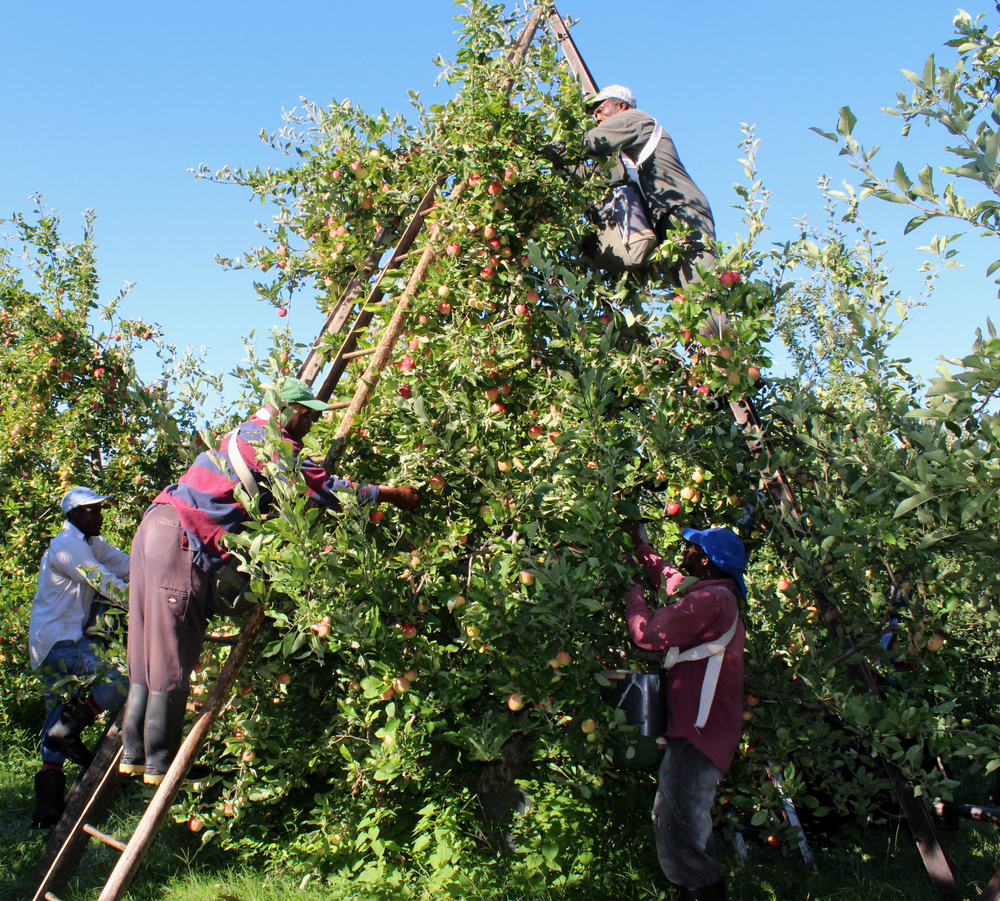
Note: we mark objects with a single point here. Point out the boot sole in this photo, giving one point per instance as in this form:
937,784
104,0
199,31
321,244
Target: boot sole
153,778
132,769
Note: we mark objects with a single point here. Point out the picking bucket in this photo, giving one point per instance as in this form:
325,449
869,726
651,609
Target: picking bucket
641,696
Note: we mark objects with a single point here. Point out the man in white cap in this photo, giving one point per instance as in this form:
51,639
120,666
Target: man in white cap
642,146
77,566
646,161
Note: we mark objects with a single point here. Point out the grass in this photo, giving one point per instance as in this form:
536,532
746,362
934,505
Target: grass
877,863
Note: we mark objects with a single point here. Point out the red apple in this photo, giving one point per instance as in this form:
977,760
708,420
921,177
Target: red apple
452,249
437,483
493,393
408,362
444,307
404,391
489,232
728,279
784,584
376,516
527,578
498,409
486,272
521,309
284,678
195,824
282,312
535,431
673,508
495,188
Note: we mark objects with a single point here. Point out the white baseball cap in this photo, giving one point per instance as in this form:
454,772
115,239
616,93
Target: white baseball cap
612,92
81,497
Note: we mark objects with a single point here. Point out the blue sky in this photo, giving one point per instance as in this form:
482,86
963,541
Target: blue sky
107,105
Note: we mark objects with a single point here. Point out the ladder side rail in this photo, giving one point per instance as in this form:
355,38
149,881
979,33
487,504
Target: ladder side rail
576,63
313,363
394,328
88,801
369,381
159,806
376,293
316,358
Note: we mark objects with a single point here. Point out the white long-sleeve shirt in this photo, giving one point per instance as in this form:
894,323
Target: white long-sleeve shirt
73,570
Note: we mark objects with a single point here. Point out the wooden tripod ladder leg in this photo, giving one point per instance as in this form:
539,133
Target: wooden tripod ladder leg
159,807
86,804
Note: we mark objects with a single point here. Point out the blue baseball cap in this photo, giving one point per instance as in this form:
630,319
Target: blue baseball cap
724,548
81,497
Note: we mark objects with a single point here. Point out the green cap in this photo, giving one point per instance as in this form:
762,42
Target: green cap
295,391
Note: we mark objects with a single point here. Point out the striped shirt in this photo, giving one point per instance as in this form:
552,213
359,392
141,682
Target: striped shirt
205,496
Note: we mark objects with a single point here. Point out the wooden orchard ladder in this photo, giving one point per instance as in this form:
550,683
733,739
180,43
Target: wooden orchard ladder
93,793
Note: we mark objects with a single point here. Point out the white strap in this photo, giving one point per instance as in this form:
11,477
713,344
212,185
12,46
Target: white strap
240,465
714,650
632,168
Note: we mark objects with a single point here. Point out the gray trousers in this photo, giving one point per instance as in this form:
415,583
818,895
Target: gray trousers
682,816
166,593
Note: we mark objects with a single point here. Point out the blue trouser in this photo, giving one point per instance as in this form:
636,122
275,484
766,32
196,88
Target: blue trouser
78,658
682,816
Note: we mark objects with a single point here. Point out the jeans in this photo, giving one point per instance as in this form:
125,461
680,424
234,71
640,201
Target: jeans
682,816
78,658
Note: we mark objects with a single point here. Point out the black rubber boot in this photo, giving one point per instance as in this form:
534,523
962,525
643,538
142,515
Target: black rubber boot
162,731
64,736
50,791
133,750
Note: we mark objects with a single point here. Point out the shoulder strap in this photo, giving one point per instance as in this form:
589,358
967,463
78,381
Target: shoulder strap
714,651
240,465
632,168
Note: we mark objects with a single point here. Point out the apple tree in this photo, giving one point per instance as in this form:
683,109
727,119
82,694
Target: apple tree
73,411
430,682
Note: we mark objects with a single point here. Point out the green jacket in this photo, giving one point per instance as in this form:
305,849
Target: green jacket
669,190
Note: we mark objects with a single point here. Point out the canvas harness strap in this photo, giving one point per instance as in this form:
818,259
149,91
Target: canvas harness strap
714,650
239,465
632,168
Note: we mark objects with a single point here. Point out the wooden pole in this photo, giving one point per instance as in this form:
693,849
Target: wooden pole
576,63
88,801
159,806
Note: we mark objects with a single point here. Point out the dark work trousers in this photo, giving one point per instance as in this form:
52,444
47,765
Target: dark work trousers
682,816
166,592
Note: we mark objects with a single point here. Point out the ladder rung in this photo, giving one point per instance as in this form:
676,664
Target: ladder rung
220,639
50,897
354,354
340,405
398,258
103,837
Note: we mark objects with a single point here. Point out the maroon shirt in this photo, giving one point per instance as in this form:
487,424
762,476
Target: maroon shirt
703,613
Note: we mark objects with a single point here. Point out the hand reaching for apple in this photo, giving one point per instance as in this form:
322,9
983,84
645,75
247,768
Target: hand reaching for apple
631,528
405,496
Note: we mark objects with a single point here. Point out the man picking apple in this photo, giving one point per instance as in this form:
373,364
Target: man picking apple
704,638
176,550
646,159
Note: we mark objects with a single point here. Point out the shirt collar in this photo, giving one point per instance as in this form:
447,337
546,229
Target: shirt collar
69,527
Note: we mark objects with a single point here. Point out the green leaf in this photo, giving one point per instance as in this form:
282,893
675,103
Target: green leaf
910,503
847,122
